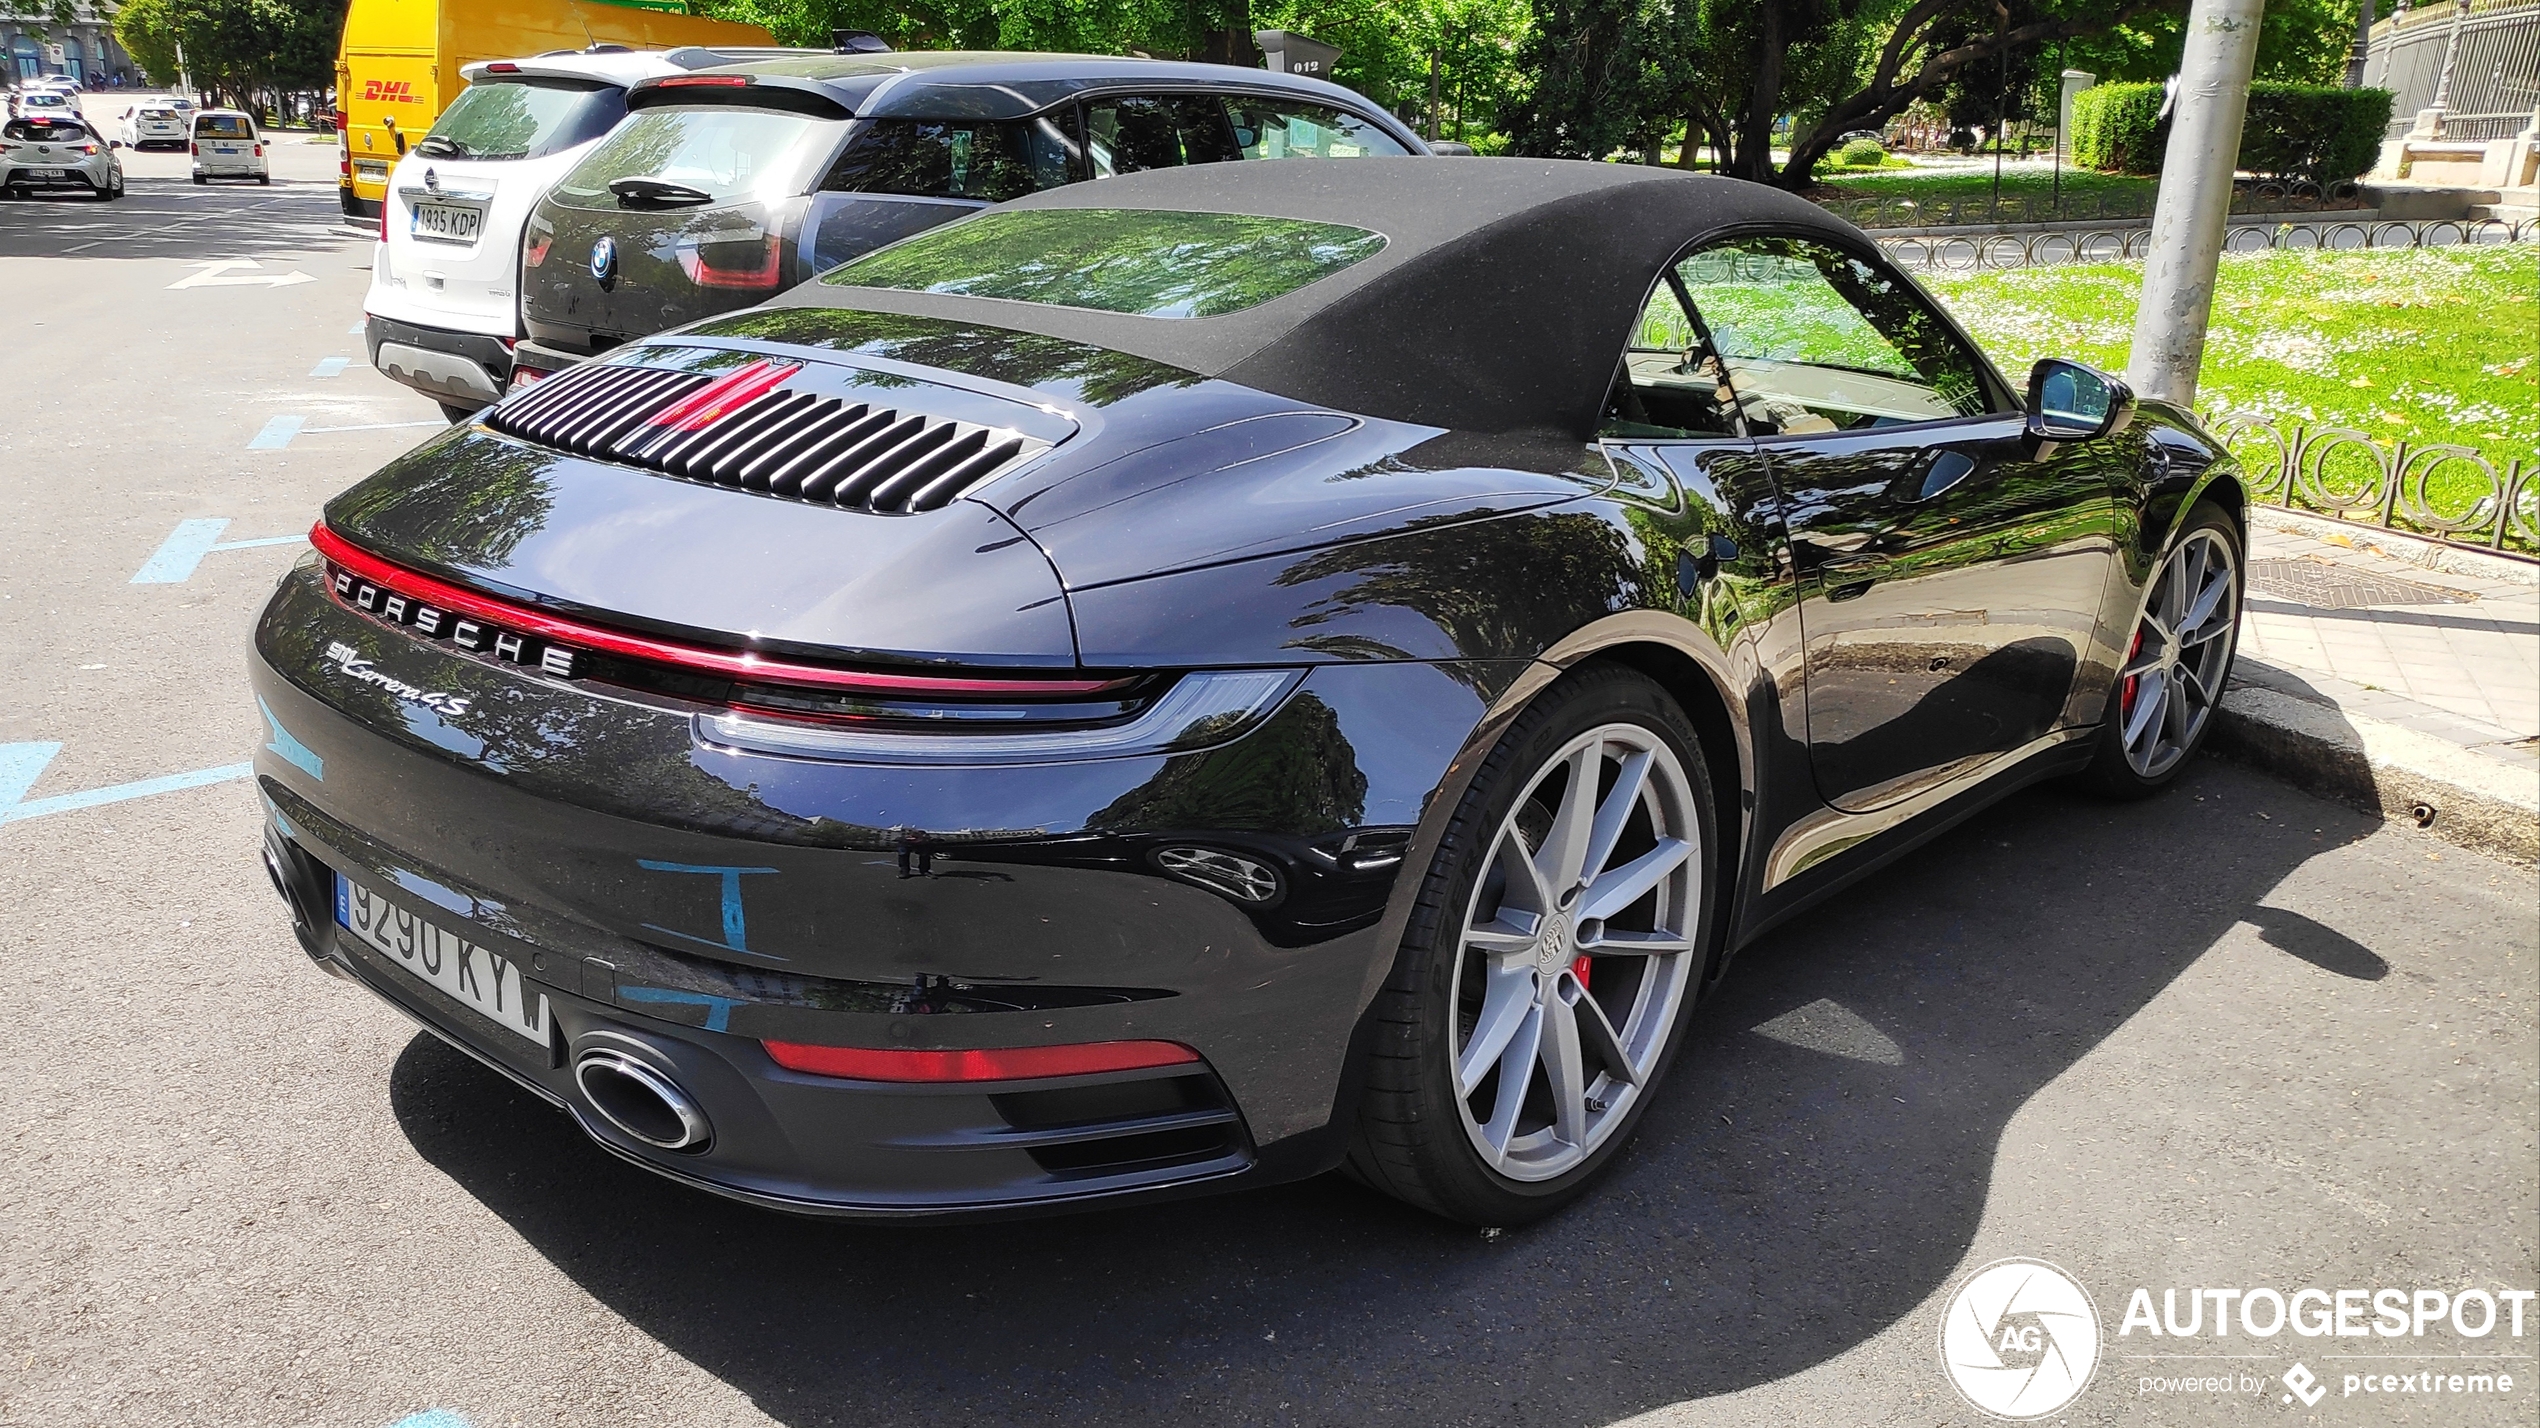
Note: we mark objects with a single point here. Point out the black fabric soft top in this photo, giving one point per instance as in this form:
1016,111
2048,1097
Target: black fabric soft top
1503,295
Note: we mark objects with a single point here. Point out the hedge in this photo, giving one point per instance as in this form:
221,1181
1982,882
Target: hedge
2302,131
2117,128
2313,132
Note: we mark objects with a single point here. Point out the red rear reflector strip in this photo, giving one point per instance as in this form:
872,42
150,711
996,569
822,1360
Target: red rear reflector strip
684,81
502,67
1020,1063
705,406
696,659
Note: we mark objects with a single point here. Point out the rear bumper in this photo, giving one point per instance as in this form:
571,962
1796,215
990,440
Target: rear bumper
698,902
69,177
466,368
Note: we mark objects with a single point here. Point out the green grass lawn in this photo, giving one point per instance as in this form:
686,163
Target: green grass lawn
1925,184
2424,345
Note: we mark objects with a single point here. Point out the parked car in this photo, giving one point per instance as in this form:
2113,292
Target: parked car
152,123
227,144
443,311
1179,683
45,151
36,101
725,186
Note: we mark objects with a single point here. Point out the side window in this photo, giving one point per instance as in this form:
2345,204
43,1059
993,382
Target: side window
1669,383
1814,339
1128,133
992,161
1285,129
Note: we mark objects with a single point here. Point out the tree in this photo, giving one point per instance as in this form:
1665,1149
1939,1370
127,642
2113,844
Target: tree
234,48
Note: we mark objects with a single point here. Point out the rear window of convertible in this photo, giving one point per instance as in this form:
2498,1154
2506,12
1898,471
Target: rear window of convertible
1149,263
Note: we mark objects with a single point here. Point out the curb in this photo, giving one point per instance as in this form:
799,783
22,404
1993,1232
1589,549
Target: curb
2419,551
2464,797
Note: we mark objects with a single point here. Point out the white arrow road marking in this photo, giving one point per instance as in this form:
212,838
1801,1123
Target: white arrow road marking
220,275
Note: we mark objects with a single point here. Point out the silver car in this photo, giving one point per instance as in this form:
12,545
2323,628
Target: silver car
42,151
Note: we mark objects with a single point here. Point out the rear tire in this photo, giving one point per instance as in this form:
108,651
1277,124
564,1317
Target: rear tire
457,413
2162,705
265,179
200,181
1527,888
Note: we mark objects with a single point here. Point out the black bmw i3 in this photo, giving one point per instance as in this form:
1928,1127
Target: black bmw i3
1211,677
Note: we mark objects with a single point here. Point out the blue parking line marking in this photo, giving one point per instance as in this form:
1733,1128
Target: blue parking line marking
176,558
184,549
277,433
20,766
330,367
16,812
357,329
434,1418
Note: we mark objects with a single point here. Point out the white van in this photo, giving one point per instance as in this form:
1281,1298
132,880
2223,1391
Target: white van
227,145
443,312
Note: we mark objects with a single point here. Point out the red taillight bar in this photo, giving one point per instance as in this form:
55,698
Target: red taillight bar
1019,1063
727,664
686,81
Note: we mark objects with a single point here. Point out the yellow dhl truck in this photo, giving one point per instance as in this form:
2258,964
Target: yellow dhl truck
398,65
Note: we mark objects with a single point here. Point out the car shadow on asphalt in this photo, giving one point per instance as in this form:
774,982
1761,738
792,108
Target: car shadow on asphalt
1815,1170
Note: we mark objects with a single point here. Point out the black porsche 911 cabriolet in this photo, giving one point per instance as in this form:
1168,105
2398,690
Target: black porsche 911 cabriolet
1212,676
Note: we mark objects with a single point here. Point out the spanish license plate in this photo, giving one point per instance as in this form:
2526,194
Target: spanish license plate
45,173
448,222
483,981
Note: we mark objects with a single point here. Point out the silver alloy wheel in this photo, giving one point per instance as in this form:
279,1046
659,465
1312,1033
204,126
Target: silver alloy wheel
1596,868
2174,668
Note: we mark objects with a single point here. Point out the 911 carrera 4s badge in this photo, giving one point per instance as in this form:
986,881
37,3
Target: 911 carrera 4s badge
350,662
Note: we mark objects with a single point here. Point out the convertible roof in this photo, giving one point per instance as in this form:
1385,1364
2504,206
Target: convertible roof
1502,297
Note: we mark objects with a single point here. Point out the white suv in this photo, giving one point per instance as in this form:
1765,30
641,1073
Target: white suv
443,310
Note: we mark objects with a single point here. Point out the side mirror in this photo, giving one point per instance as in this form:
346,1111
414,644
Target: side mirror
2070,402
114,143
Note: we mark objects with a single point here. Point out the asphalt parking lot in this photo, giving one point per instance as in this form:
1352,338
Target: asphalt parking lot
2231,1036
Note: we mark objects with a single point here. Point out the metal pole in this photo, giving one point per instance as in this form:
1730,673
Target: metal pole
2190,218
2001,90
2363,46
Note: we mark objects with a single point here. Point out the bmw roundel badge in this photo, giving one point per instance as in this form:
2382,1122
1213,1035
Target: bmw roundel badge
604,259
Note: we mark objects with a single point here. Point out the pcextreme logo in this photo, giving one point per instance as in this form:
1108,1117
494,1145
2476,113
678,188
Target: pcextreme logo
391,91
2020,1339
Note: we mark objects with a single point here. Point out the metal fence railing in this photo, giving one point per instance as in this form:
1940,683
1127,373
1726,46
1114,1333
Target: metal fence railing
1977,252
2258,196
2442,491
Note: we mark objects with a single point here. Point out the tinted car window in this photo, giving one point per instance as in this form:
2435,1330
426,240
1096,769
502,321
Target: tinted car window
1280,129
1815,339
1126,134
1152,263
726,152
524,119
45,130
991,161
223,126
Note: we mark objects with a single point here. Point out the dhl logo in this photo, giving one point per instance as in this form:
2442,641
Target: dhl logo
391,91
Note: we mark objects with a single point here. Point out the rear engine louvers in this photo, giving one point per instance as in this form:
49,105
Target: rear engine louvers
743,430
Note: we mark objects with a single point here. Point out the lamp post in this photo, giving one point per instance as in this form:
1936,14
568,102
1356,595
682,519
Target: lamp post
2193,213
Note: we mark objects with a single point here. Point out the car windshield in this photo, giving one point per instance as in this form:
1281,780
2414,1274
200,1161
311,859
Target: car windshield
1146,262
158,115
222,126
523,119
45,131
725,152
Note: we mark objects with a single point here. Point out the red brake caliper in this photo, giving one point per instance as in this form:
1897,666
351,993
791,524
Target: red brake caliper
2125,701
1579,969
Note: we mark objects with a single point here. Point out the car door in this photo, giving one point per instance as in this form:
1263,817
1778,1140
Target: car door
1949,581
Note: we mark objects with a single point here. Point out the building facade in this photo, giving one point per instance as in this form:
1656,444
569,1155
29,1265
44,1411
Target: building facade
84,49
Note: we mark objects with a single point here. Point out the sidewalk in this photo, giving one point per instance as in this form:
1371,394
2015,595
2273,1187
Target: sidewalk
2394,675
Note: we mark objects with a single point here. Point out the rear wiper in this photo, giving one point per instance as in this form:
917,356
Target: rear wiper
438,146
642,192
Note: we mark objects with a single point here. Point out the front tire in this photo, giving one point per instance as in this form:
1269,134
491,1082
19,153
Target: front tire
1554,950
2178,660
